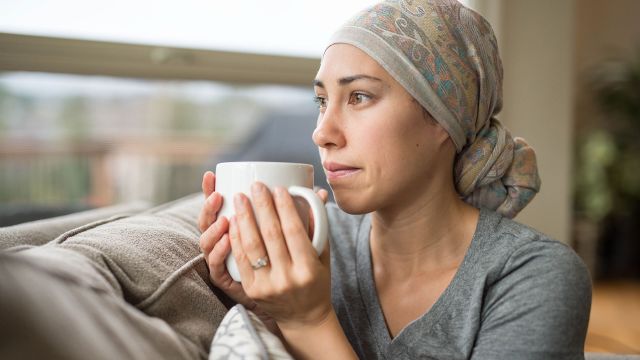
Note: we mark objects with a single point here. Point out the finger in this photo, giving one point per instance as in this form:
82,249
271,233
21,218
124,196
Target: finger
295,234
208,183
243,263
323,195
269,225
250,237
210,208
216,260
221,278
213,234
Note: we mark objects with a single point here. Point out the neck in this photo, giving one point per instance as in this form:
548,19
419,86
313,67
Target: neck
427,235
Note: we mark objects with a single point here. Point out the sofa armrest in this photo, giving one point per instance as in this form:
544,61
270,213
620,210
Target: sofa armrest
40,232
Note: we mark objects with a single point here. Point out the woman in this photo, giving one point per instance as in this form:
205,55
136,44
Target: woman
425,262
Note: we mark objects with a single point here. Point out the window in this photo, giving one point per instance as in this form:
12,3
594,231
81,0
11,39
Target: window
136,122
92,141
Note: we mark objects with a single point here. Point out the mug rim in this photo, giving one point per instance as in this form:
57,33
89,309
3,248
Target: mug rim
262,163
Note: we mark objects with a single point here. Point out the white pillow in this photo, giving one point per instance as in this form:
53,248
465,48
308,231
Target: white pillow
242,335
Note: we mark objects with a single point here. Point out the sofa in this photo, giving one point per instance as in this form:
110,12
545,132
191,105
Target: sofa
120,282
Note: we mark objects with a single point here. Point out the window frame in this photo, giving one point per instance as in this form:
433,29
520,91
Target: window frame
88,57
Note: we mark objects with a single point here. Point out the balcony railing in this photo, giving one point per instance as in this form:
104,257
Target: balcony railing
89,175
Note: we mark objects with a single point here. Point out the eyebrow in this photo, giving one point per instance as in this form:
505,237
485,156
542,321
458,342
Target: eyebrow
348,79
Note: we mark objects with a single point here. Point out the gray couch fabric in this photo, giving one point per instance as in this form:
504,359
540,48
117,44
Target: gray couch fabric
41,232
128,286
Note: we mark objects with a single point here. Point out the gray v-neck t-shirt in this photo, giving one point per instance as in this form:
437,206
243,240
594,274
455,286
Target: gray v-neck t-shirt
517,295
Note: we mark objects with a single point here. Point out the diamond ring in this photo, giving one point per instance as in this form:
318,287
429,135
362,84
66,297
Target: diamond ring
260,263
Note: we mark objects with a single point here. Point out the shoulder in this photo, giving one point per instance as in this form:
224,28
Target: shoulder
528,252
538,289
508,244
540,282
531,269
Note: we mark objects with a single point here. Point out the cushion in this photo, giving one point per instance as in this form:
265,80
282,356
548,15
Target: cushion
242,335
56,306
152,260
42,231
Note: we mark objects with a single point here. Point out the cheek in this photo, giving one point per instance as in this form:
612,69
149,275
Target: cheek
403,151
400,142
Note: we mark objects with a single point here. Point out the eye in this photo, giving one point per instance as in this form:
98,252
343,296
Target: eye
358,98
320,101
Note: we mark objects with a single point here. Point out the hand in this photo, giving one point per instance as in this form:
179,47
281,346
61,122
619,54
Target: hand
295,286
214,242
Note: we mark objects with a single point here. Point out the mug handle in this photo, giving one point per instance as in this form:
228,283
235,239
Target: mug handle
320,222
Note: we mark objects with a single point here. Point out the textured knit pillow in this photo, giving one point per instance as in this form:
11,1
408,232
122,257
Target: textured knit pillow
242,335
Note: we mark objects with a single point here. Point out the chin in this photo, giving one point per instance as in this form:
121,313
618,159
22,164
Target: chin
354,205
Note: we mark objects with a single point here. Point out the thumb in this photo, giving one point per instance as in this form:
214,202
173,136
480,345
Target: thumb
208,183
322,194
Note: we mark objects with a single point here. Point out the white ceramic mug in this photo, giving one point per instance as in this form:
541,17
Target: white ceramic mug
237,177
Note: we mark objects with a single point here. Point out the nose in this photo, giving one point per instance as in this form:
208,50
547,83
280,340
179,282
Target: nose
329,132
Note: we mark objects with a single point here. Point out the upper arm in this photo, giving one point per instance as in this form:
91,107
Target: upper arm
538,308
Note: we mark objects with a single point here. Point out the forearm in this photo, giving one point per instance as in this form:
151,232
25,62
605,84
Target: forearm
314,342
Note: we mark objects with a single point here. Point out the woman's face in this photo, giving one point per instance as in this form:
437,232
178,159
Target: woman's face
377,148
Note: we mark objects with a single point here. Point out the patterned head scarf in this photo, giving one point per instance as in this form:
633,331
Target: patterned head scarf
446,56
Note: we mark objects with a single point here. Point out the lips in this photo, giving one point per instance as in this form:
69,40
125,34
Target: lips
337,171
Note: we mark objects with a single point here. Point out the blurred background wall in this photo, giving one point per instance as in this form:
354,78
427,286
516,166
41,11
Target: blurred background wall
537,41
557,56
607,136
